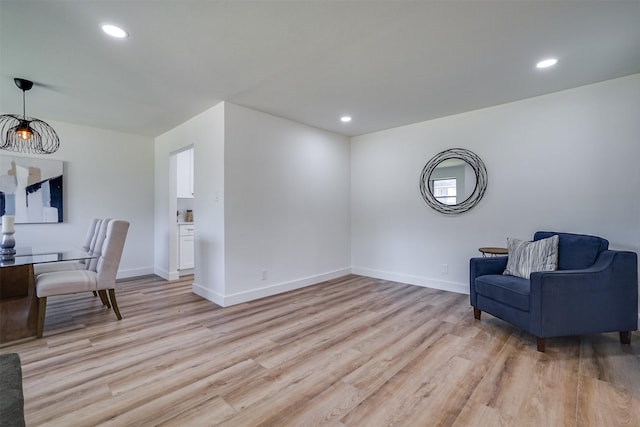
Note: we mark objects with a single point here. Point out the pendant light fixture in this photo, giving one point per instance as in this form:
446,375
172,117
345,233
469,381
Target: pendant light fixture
24,134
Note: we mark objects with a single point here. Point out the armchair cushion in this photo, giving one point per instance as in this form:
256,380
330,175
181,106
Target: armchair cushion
511,290
528,257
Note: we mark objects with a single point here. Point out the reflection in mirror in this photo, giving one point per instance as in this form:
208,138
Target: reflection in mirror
452,181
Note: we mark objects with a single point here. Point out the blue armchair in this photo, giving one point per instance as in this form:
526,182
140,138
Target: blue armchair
594,290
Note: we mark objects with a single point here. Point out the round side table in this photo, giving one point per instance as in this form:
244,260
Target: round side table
493,251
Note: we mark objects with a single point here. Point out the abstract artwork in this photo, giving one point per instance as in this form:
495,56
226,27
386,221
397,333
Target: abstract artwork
31,189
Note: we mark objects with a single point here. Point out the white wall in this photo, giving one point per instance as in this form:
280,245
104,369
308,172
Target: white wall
107,175
287,204
562,162
209,205
270,194
205,133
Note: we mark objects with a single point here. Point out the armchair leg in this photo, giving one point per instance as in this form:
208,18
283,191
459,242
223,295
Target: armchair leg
114,303
541,344
42,308
625,337
476,313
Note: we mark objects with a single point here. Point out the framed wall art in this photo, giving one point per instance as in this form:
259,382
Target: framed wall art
31,189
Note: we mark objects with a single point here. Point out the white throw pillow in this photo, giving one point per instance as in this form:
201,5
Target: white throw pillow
528,257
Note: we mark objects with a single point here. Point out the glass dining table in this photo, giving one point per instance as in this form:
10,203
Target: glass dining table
18,300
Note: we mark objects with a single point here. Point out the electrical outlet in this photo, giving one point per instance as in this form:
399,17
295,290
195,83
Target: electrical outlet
263,274
445,268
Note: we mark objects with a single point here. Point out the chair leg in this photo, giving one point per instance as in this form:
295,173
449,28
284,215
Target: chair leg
114,303
625,337
476,313
42,309
541,344
103,297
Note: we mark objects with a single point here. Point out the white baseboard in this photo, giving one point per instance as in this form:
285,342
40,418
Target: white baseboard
267,291
461,288
134,272
208,294
166,275
185,272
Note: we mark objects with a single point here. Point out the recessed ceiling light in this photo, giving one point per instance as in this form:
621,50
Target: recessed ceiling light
345,119
546,63
115,31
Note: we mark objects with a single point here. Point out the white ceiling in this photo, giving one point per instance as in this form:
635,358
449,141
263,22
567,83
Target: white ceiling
386,63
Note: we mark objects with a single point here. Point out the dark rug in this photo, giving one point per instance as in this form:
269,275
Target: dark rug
11,398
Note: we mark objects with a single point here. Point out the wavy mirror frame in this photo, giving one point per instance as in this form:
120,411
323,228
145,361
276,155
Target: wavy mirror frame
472,160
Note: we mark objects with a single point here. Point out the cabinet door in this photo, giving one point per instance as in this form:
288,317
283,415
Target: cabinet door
186,252
184,187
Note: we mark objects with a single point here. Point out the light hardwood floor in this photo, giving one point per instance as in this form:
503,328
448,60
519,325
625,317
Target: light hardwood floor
349,352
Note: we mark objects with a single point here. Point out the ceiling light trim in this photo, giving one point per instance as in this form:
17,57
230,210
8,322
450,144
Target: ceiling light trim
114,31
546,63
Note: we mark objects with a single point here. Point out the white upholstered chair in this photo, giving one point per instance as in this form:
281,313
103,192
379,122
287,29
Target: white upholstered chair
100,276
93,242
89,245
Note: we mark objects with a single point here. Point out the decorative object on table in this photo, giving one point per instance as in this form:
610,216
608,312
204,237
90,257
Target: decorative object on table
593,289
31,189
453,181
8,242
27,134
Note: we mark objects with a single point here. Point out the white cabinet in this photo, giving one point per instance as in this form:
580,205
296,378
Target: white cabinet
185,174
186,248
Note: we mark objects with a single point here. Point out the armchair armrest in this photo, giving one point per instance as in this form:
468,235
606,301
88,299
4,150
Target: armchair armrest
481,267
603,297
612,269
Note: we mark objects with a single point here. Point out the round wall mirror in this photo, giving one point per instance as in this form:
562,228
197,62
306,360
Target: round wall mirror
453,181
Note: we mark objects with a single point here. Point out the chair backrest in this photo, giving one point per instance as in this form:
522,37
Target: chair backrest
97,243
90,238
90,233
111,253
575,251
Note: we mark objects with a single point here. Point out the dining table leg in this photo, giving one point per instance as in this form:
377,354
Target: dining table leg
18,303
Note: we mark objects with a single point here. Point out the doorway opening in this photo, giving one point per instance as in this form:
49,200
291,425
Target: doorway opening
181,200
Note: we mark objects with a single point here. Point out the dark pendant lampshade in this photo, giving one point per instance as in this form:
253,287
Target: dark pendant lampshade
24,134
